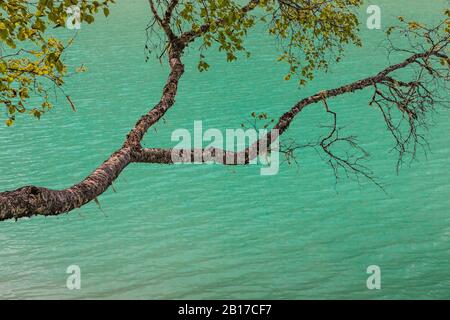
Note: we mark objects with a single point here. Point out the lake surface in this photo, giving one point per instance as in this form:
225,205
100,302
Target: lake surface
209,231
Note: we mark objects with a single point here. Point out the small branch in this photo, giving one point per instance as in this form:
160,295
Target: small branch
164,23
169,11
189,36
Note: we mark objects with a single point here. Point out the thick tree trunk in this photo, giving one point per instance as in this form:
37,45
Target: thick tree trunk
30,200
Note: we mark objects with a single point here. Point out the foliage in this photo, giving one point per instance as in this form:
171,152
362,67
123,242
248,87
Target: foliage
30,57
310,32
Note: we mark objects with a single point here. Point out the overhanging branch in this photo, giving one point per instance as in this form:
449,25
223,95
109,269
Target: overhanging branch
411,98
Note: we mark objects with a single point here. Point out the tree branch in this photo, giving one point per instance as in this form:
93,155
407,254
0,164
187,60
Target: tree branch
164,23
410,98
31,200
189,36
163,156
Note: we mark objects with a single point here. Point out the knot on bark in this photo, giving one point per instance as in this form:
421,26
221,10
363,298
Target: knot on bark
34,190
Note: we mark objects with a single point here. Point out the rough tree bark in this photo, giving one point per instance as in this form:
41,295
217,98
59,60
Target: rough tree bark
32,200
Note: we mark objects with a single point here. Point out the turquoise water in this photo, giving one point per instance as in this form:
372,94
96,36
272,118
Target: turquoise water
205,231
